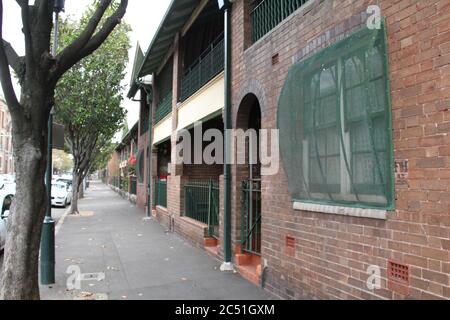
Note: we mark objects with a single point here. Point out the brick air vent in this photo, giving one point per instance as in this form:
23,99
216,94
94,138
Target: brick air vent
275,59
290,246
398,277
398,272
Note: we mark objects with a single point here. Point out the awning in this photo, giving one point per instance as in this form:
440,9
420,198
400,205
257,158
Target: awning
175,18
132,133
138,59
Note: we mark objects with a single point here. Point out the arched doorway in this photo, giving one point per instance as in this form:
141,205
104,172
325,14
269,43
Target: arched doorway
249,175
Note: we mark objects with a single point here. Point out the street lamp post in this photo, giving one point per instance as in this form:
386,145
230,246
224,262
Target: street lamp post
48,228
227,265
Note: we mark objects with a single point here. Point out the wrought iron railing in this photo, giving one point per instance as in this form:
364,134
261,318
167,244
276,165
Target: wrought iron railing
115,181
161,193
208,65
164,108
125,184
202,204
133,185
267,14
251,216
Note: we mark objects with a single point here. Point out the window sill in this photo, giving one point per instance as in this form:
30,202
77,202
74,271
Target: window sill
343,211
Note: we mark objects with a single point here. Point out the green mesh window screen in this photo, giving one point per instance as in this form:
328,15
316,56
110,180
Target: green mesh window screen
335,124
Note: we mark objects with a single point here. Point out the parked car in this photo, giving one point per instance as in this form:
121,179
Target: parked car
7,179
65,179
61,194
67,182
7,193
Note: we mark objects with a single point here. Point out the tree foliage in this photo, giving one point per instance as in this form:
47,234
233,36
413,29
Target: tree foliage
102,158
38,72
89,96
62,162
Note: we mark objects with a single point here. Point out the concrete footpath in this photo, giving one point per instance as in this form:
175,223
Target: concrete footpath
120,256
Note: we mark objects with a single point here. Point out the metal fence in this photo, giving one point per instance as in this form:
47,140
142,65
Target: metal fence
115,181
133,185
267,14
161,193
205,68
251,216
202,203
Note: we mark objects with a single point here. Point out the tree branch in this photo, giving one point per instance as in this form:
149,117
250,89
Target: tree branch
27,32
5,74
87,33
67,59
13,58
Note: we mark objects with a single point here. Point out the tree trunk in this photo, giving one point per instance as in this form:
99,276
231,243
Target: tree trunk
20,277
20,267
77,188
74,206
81,189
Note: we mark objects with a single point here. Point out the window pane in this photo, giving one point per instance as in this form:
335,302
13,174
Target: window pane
354,71
365,115
324,145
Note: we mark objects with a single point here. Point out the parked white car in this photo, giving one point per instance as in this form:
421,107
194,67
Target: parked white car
61,194
67,181
7,193
7,179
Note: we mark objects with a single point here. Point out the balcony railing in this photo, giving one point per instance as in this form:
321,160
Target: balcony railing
267,14
204,69
164,108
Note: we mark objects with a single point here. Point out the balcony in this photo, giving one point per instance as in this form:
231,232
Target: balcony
164,108
208,65
267,14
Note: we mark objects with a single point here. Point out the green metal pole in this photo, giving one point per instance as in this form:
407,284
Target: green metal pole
210,208
227,265
150,156
48,228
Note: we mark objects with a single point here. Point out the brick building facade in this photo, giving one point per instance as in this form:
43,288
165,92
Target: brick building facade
303,249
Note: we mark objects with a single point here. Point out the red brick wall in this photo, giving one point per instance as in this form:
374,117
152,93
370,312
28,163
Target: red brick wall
164,217
113,166
333,252
202,171
191,230
143,145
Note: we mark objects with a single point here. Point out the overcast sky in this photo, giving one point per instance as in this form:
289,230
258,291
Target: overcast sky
144,16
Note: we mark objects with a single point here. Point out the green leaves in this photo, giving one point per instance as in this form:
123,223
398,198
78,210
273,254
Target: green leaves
89,96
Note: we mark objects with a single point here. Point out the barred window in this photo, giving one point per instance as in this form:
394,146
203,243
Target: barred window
335,125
